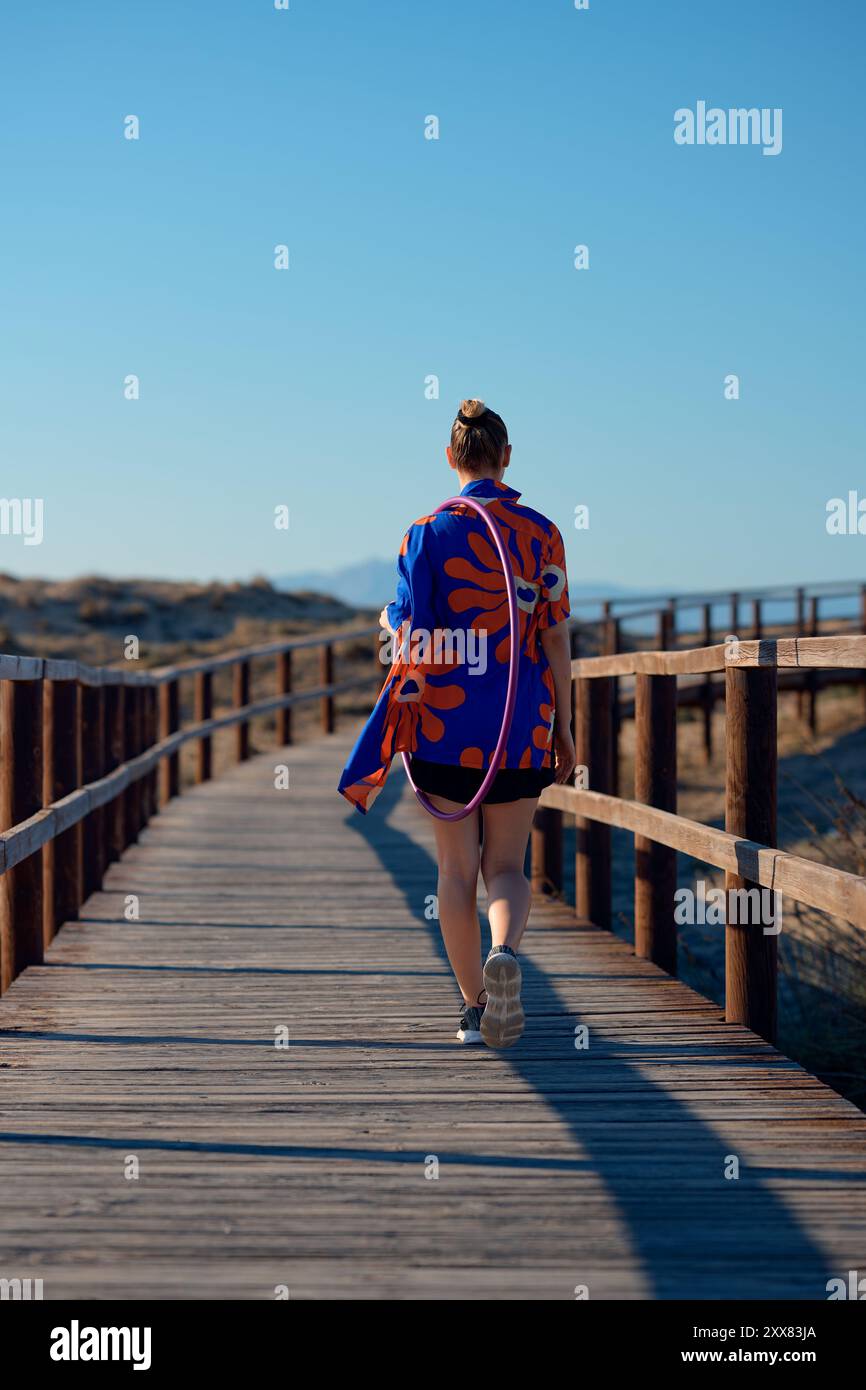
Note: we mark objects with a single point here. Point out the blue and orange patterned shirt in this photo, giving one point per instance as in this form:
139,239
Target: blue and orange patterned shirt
445,691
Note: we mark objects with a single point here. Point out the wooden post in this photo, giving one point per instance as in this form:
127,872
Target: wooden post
140,736
735,614
284,687
62,868
169,723
151,780
546,851
131,741
672,623
800,620
655,783
709,698
142,743
707,636
612,646
574,645
203,712
115,713
21,928
94,852
800,631
592,867
664,627
241,697
326,677
812,676
757,625
750,812
108,765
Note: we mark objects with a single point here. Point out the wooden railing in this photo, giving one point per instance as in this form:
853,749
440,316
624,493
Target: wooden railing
802,598
608,634
745,849
90,753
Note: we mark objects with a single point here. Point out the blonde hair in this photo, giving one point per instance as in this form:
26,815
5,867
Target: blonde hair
478,437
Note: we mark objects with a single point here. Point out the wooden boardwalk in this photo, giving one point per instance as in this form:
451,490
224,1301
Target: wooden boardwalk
153,1040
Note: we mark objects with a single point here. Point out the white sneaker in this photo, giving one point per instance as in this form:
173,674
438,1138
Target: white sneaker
503,1019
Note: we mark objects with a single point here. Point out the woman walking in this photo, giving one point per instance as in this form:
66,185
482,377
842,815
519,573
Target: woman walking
443,700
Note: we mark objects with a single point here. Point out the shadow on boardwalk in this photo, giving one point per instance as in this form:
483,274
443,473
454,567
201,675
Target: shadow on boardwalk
660,1164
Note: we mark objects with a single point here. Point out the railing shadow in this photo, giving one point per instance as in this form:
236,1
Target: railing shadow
639,1137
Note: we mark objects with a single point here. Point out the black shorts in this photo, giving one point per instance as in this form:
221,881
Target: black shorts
461,783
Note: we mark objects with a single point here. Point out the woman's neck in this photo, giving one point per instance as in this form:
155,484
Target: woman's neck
493,477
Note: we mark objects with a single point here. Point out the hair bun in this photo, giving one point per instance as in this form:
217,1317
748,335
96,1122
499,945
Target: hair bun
471,411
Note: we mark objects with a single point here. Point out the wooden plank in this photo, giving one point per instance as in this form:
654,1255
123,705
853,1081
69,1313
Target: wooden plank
16,668
814,653
162,674
326,678
132,740
750,811
240,699
21,902
115,715
63,865
655,782
827,653
806,881
29,668
307,1167
284,687
92,768
546,851
660,663
708,691
204,712
169,723
151,698
592,861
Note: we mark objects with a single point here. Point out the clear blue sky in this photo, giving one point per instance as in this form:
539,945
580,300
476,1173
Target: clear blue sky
411,257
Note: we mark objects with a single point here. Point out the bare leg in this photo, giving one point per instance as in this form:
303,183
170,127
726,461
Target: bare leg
506,835
506,831
458,854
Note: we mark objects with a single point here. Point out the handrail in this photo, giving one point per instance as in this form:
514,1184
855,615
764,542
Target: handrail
807,881
34,668
745,849
817,653
832,588
39,829
90,753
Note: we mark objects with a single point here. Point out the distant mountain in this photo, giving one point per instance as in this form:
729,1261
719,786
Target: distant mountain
371,583
367,584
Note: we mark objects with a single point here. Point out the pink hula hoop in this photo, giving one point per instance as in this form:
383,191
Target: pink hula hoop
513,665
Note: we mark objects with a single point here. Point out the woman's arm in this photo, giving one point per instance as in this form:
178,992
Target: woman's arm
557,648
